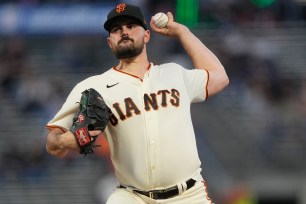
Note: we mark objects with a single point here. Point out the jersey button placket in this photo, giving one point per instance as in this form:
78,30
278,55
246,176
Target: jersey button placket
148,134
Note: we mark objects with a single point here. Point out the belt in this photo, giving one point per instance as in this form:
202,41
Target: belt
163,193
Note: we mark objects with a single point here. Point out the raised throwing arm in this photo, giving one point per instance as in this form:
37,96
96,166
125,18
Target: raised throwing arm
200,55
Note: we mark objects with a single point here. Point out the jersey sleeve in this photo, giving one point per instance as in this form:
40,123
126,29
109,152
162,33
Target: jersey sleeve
196,81
63,118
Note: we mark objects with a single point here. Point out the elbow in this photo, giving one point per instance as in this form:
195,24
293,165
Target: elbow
217,82
59,153
223,82
53,144
226,81
217,86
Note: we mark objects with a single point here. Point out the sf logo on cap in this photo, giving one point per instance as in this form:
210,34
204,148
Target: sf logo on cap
120,8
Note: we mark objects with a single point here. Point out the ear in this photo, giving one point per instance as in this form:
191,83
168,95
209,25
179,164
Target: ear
108,42
147,36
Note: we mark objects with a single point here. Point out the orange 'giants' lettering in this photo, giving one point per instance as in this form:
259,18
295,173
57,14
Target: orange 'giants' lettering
164,97
175,101
151,102
130,106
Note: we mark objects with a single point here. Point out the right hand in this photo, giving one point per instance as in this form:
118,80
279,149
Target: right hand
173,29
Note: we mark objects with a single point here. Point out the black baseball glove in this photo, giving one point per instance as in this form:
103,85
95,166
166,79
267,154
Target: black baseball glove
93,114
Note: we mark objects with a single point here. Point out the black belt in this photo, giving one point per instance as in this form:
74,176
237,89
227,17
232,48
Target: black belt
163,193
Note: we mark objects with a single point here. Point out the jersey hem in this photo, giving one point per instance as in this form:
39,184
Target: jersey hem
206,86
50,127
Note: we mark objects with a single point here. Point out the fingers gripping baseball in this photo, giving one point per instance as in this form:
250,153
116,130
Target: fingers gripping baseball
164,29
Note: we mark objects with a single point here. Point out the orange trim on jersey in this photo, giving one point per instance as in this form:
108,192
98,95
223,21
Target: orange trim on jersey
50,127
127,73
148,68
206,192
206,87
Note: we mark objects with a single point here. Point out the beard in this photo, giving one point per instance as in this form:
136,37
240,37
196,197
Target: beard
127,48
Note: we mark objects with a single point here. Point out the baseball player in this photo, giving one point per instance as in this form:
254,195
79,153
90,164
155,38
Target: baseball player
150,133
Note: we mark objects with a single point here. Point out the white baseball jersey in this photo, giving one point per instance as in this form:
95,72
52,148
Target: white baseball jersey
150,134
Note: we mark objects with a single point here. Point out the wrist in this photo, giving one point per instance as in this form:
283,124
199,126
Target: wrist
183,32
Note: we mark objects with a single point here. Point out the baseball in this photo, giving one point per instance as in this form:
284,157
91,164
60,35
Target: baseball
161,20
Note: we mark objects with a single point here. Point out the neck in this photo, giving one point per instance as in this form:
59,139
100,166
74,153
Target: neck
136,66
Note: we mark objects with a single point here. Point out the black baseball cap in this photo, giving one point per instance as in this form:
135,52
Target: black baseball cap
125,10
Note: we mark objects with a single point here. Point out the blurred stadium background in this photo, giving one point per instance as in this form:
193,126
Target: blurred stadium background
251,137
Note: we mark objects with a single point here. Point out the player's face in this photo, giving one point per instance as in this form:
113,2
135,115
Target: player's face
127,38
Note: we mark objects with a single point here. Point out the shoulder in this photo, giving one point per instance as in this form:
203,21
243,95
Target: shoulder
169,67
96,80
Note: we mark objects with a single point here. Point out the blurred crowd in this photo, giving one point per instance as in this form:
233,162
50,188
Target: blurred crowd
223,12
19,81
271,98
37,2
239,12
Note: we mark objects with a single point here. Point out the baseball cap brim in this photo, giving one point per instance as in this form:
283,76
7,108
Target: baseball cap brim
109,22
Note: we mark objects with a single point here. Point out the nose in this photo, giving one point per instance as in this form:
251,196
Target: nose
124,35
124,30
